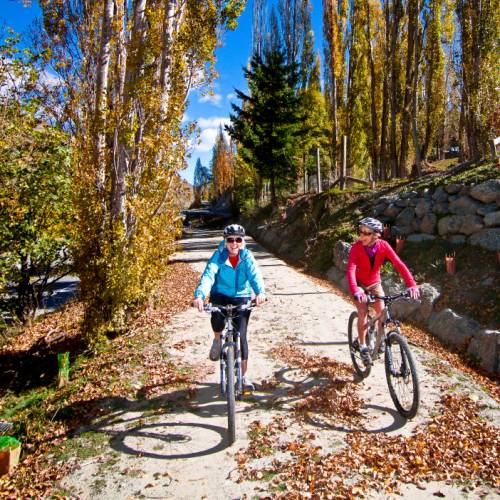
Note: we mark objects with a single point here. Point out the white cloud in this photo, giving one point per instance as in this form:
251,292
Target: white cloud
230,97
209,130
50,79
206,140
214,99
213,122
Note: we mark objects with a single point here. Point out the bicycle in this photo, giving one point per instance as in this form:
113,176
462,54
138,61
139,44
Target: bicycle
230,360
400,368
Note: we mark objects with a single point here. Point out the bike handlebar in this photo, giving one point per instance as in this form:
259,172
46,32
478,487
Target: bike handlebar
247,306
388,298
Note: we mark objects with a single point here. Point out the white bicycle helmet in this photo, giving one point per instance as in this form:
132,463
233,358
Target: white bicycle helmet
234,230
373,224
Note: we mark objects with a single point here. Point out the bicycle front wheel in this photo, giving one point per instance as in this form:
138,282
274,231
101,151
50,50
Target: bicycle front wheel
401,374
352,335
230,397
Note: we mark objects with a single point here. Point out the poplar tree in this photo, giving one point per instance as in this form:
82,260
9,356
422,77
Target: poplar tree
334,21
127,68
434,76
222,166
479,25
358,96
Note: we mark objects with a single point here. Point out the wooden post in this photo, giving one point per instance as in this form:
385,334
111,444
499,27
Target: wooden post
344,164
318,170
451,264
400,243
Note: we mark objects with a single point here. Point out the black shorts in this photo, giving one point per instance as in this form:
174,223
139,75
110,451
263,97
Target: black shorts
240,323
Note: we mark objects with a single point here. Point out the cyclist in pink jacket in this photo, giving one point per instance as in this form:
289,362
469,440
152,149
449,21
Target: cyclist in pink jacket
363,273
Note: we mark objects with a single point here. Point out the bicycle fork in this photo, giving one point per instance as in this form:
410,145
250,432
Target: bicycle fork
404,370
223,362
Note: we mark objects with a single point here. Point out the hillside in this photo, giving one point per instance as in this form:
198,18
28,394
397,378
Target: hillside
306,228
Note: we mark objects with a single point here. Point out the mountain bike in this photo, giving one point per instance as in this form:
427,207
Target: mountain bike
400,368
231,379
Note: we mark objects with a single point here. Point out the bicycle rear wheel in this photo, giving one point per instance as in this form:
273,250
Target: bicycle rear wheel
352,335
401,374
230,396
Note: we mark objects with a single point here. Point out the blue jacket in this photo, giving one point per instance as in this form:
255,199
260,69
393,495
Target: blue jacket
220,276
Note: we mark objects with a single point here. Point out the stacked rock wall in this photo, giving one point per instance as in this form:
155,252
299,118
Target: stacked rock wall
456,212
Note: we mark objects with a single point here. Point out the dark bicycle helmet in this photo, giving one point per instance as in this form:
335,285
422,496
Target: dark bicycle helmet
234,230
374,224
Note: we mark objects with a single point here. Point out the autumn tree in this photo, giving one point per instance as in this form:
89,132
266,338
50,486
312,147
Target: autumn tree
35,186
334,21
127,69
222,166
434,75
314,134
479,25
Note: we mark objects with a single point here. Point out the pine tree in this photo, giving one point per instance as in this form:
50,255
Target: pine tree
267,124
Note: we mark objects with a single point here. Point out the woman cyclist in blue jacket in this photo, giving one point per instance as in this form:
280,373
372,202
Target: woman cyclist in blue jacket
230,277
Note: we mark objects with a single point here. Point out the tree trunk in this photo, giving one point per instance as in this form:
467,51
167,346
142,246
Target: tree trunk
273,190
120,156
414,121
334,125
101,91
396,17
409,77
374,142
385,98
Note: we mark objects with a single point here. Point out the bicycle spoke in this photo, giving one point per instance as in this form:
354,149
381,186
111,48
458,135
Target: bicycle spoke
402,376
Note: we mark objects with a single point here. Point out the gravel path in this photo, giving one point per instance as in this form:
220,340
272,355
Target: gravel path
180,451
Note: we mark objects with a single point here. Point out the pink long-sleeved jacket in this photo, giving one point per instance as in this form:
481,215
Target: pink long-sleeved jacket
359,268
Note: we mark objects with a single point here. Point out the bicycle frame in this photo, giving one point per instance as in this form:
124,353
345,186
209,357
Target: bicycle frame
230,336
400,367
387,318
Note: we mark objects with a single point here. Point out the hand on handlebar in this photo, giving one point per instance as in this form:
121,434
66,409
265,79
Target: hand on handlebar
414,292
360,296
260,299
198,303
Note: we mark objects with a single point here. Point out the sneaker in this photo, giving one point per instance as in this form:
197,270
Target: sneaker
214,354
355,344
247,384
365,355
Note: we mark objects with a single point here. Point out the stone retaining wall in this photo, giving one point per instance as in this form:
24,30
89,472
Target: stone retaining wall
455,212
458,213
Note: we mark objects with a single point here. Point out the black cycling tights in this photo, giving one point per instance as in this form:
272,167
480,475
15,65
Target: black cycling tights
240,323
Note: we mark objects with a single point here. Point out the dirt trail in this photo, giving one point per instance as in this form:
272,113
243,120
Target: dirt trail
177,449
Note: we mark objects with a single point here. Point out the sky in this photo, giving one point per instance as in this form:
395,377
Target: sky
209,111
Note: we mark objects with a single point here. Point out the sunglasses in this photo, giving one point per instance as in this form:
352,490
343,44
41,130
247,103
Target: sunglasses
232,240
365,233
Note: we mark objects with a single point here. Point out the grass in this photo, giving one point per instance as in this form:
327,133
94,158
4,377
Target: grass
86,445
13,405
